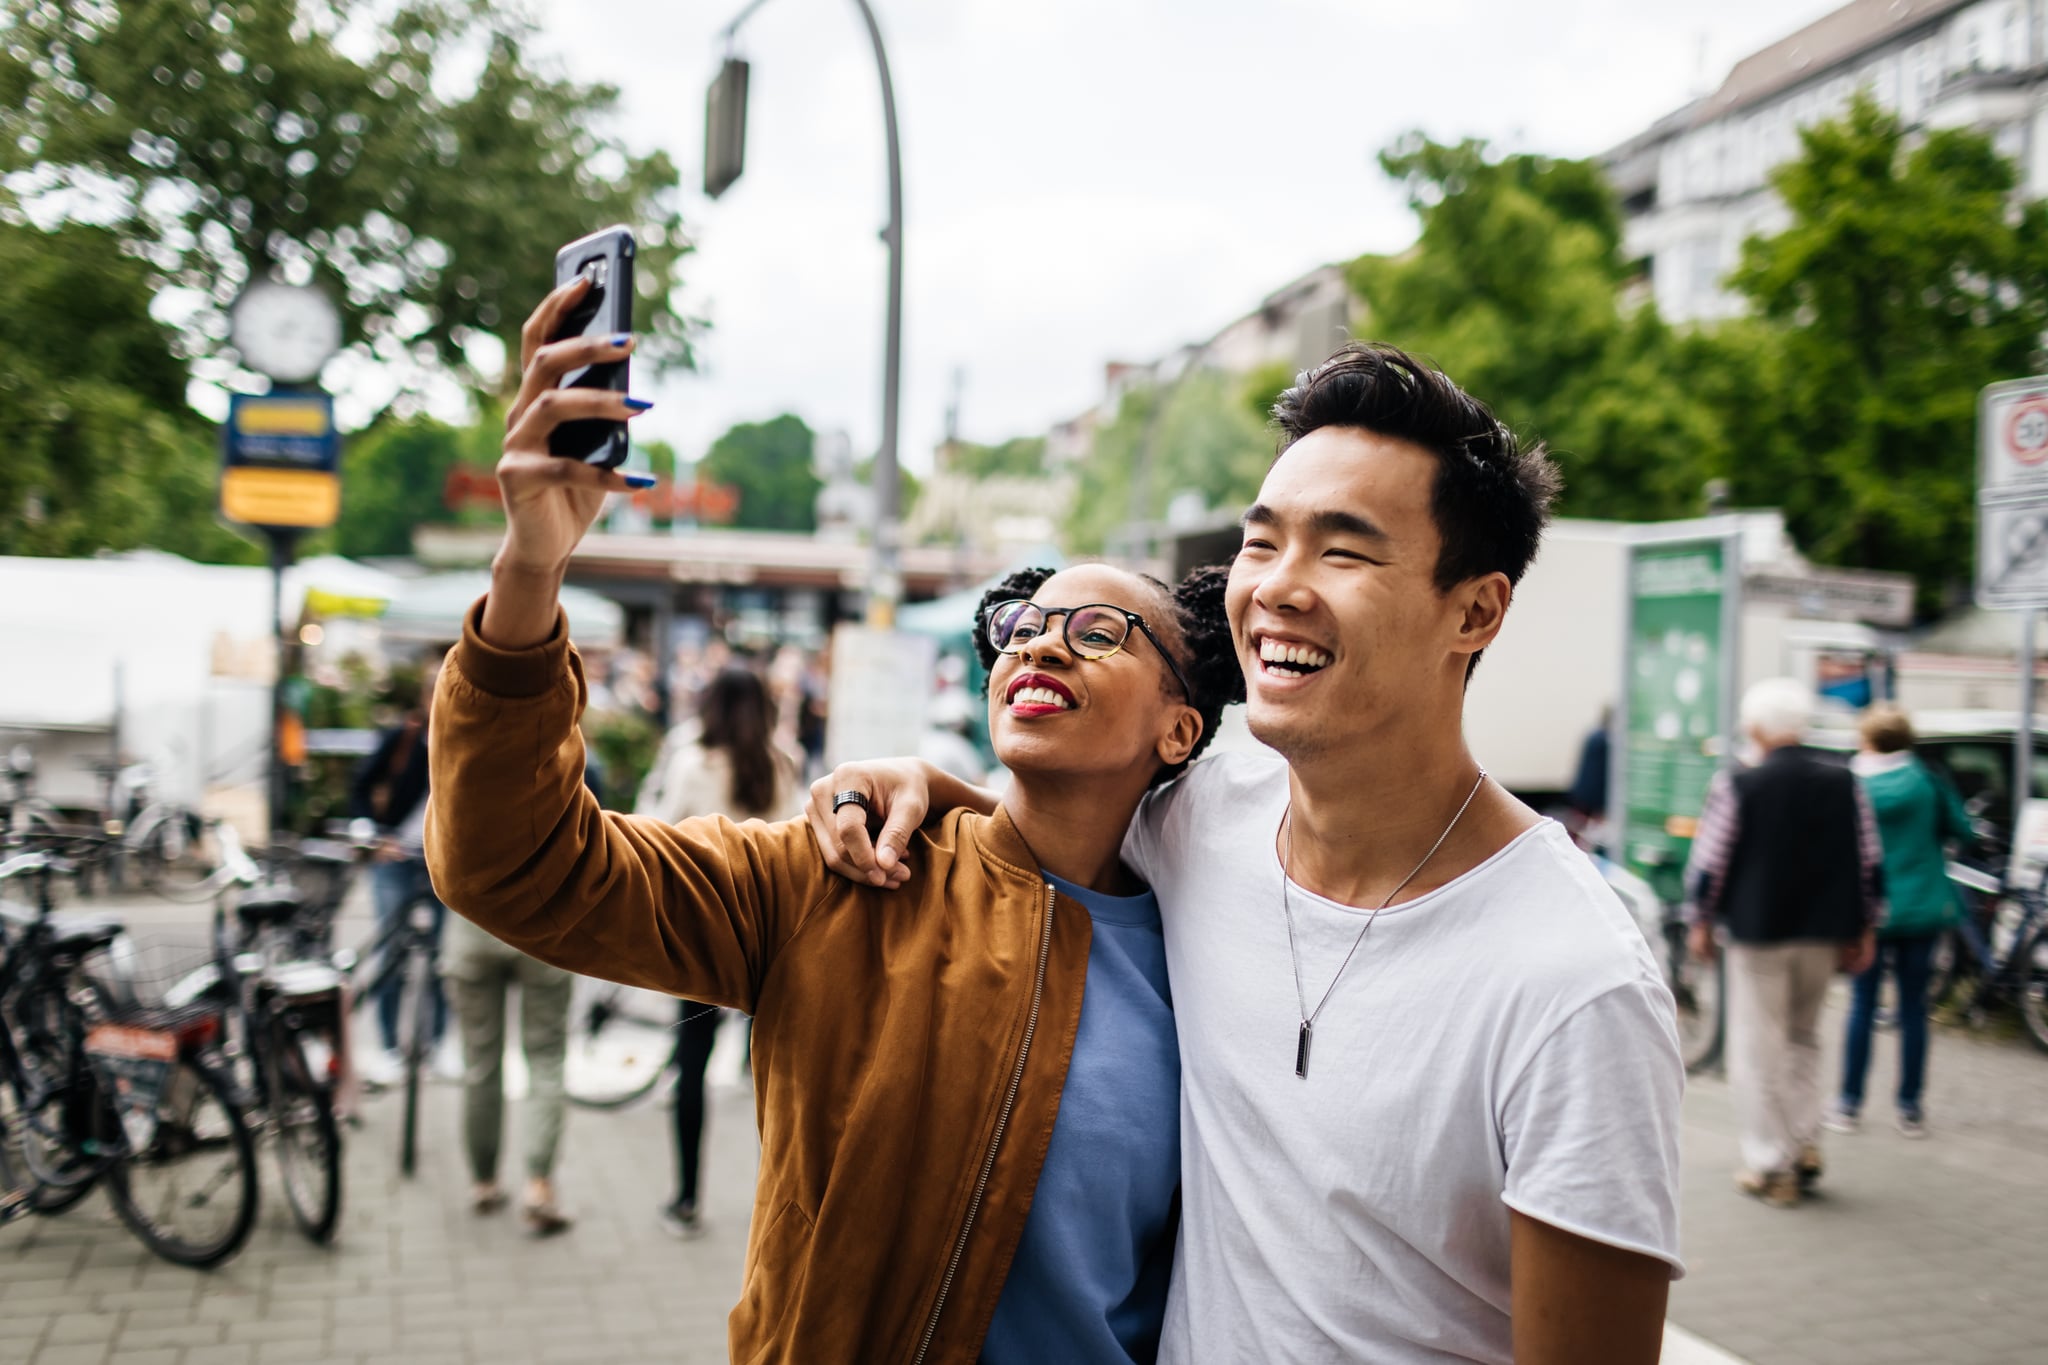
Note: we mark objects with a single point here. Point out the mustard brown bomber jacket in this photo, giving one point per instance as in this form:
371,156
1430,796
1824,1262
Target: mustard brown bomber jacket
909,1046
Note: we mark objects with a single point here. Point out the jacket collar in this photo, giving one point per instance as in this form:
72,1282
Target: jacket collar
1000,839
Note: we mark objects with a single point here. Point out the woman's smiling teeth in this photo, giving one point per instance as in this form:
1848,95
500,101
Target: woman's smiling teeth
1039,696
1290,661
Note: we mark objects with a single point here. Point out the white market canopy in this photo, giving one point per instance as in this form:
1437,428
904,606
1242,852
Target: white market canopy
70,626
431,609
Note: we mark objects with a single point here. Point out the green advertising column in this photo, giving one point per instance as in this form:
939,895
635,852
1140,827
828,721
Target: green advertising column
1677,708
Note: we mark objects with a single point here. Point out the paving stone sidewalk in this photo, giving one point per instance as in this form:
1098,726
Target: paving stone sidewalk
1918,1252
1930,1251
414,1277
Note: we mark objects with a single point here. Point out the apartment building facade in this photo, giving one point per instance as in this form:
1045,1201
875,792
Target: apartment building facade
1695,184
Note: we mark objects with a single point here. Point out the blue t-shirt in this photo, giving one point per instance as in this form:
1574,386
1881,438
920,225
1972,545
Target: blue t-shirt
1088,1283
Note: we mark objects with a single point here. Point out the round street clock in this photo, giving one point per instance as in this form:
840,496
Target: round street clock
285,331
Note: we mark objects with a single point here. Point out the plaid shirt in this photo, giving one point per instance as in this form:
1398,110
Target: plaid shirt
1706,870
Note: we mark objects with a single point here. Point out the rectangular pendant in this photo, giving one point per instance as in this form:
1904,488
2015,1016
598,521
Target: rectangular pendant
1301,1053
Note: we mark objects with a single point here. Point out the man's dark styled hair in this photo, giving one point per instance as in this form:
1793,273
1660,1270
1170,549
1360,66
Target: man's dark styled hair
1492,494
1207,658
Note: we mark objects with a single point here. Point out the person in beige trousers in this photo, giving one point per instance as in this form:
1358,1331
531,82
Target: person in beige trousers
480,972
1787,862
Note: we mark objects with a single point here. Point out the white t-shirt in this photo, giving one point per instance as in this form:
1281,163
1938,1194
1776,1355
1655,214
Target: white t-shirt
1505,1041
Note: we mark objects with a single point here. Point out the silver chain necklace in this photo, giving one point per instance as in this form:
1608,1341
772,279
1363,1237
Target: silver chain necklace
1308,1016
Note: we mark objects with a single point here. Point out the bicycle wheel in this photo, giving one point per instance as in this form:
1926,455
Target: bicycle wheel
170,860
2030,985
190,1195
620,1043
1947,965
308,1140
1699,990
58,1134
415,1038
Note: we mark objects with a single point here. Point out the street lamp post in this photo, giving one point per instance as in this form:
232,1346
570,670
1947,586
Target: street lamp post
723,155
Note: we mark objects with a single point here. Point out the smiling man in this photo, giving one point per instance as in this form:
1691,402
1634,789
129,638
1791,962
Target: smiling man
1430,1077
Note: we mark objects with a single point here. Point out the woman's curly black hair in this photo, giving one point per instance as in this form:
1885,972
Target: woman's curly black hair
1208,659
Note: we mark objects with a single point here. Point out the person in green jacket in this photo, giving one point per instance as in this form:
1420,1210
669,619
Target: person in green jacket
1917,813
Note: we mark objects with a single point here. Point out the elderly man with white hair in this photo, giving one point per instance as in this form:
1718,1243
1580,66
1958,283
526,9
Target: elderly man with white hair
1787,862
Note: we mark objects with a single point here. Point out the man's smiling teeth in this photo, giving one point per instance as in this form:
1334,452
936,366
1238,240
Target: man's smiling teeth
1291,660
1039,696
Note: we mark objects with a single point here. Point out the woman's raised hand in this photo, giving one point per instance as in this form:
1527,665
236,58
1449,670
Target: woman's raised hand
550,502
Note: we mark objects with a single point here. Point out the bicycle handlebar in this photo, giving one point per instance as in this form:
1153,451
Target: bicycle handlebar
27,862
241,869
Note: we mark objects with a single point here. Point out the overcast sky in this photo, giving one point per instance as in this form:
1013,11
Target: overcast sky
1085,180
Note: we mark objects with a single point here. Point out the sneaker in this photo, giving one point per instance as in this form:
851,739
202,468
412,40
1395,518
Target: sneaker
681,1222
1779,1189
1842,1121
382,1069
1809,1168
1912,1126
545,1219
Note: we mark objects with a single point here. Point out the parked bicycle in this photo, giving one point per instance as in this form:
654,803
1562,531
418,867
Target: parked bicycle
285,1042
1697,987
103,1090
1998,954
404,956
622,1042
25,811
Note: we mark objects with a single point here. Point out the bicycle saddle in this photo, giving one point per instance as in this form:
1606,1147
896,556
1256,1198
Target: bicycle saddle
269,905
326,851
78,934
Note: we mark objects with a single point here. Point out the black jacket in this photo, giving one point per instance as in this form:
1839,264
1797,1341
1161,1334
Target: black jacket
393,779
1796,869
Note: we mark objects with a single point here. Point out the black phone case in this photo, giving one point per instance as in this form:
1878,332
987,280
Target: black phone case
606,309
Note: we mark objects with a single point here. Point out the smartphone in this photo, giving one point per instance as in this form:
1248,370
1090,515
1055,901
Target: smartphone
606,309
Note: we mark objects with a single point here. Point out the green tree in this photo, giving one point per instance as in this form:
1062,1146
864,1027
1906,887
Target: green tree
1020,457
395,479
1514,286
336,142
1201,434
1907,279
769,463
101,452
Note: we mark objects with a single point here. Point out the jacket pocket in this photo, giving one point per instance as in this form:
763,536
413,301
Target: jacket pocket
775,1279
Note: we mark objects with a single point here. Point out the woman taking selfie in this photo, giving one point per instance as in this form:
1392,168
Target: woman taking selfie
968,1090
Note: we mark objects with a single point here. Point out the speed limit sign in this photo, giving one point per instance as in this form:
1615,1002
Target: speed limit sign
2012,435
2012,494
2026,431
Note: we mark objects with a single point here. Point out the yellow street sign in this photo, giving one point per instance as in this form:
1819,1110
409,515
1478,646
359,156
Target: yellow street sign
280,497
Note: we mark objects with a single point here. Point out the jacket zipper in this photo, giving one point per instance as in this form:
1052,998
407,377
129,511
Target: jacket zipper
988,1162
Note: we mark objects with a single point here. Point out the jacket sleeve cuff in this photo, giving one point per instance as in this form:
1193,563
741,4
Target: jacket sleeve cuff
512,673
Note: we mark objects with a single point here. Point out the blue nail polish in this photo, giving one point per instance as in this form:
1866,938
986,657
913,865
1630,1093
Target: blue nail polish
640,480
622,338
638,404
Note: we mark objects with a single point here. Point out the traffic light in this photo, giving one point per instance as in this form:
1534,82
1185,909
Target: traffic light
725,127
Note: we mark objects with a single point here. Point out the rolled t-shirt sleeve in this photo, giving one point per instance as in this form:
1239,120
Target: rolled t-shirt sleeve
1589,1130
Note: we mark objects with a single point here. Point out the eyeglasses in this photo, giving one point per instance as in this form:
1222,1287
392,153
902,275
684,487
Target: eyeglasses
1095,631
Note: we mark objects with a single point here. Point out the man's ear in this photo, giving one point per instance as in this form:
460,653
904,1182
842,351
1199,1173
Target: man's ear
1482,604
1180,738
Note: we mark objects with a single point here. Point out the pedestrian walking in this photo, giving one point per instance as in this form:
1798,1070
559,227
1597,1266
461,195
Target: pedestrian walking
482,973
725,762
390,789
1787,861
1917,813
